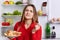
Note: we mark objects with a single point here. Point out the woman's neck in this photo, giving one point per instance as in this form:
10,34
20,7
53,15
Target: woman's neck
28,22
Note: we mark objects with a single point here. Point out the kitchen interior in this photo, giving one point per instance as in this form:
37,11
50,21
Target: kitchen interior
48,16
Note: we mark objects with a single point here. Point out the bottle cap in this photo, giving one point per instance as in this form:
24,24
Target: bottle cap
44,4
53,27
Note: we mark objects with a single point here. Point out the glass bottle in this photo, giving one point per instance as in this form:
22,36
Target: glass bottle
47,30
53,33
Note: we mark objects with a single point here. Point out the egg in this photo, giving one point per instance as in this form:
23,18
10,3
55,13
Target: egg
58,19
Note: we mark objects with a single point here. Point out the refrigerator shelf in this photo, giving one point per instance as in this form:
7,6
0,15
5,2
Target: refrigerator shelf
11,16
6,26
14,5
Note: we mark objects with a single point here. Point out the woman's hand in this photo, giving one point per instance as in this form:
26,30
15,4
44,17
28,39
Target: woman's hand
37,27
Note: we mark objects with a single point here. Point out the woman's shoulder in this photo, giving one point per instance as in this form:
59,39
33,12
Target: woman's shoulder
18,23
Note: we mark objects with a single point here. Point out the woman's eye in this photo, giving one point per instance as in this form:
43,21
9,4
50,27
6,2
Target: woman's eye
31,11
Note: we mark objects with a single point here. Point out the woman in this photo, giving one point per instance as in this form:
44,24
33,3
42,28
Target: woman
28,25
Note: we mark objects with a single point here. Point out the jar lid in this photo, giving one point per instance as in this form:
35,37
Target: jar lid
53,27
44,4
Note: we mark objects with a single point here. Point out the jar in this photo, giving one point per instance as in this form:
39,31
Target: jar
44,8
25,1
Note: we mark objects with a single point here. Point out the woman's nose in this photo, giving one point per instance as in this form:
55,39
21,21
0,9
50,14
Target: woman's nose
28,12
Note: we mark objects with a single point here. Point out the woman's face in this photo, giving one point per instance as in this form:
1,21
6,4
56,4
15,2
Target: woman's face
29,12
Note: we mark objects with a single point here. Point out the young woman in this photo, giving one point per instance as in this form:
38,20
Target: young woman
28,25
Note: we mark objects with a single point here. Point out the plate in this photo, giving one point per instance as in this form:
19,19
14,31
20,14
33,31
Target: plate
10,35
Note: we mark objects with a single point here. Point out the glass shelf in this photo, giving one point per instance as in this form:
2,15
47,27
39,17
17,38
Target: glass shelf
43,15
10,16
6,26
14,16
14,5
55,22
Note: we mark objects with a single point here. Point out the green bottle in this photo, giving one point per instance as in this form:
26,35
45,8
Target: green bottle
47,30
